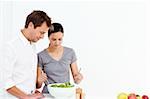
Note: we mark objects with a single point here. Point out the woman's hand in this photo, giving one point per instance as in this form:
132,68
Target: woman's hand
42,78
77,78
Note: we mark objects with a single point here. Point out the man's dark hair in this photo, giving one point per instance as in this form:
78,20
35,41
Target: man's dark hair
37,17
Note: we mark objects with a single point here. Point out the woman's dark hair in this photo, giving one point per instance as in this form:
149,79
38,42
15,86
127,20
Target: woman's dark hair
55,27
37,17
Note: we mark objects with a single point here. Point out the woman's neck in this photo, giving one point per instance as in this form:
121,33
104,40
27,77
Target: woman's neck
53,49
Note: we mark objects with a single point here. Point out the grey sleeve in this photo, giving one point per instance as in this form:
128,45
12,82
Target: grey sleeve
74,58
40,62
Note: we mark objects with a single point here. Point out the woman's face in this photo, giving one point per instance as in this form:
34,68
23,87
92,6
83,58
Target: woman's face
56,39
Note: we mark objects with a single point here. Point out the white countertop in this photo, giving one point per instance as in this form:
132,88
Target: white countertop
47,96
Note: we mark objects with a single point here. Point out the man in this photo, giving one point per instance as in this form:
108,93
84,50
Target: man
20,65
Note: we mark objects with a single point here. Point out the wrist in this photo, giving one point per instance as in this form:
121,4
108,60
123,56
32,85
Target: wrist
40,81
24,97
38,85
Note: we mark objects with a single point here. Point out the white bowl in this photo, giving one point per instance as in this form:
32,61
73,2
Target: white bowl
59,92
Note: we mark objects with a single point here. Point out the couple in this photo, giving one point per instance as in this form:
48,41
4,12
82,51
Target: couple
25,70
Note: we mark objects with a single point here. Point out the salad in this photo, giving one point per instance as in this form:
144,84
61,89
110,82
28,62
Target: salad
62,85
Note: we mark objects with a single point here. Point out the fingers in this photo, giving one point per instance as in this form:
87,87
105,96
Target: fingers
78,78
42,78
38,95
37,91
35,96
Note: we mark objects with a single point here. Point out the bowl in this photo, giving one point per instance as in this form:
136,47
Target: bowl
61,90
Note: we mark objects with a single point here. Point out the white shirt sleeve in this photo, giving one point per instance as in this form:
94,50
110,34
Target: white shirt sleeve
9,61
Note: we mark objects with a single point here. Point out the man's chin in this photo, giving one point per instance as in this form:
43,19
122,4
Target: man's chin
35,40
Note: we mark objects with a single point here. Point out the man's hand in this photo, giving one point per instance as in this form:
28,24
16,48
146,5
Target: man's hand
21,95
34,96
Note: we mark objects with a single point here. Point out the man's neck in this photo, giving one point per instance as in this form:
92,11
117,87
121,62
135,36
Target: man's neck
26,34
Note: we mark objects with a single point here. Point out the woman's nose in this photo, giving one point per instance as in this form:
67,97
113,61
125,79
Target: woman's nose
57,42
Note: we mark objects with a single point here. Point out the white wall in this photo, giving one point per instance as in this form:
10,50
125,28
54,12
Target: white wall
111,40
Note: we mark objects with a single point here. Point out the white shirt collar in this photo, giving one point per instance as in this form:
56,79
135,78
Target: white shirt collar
24,39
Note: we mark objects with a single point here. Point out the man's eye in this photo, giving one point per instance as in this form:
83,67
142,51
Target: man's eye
54,39
42,32
60,39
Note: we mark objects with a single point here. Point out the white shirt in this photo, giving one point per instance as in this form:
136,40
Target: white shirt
20,66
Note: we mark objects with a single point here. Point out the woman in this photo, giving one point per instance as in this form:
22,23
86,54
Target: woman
55,62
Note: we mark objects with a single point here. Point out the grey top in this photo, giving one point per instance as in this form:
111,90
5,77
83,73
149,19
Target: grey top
57,71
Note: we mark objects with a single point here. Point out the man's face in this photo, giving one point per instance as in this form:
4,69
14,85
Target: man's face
38,32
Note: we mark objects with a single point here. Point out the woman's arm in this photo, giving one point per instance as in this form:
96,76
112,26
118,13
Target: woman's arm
41,77
77,76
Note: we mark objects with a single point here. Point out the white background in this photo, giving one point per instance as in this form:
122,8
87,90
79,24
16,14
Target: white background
110,37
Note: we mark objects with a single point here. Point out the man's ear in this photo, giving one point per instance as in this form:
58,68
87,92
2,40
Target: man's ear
31,25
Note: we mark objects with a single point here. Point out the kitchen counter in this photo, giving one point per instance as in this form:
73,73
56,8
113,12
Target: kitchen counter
79,95
47,96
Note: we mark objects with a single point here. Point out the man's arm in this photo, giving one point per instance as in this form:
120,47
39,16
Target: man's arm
17,92
21,95
8,66
8,70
